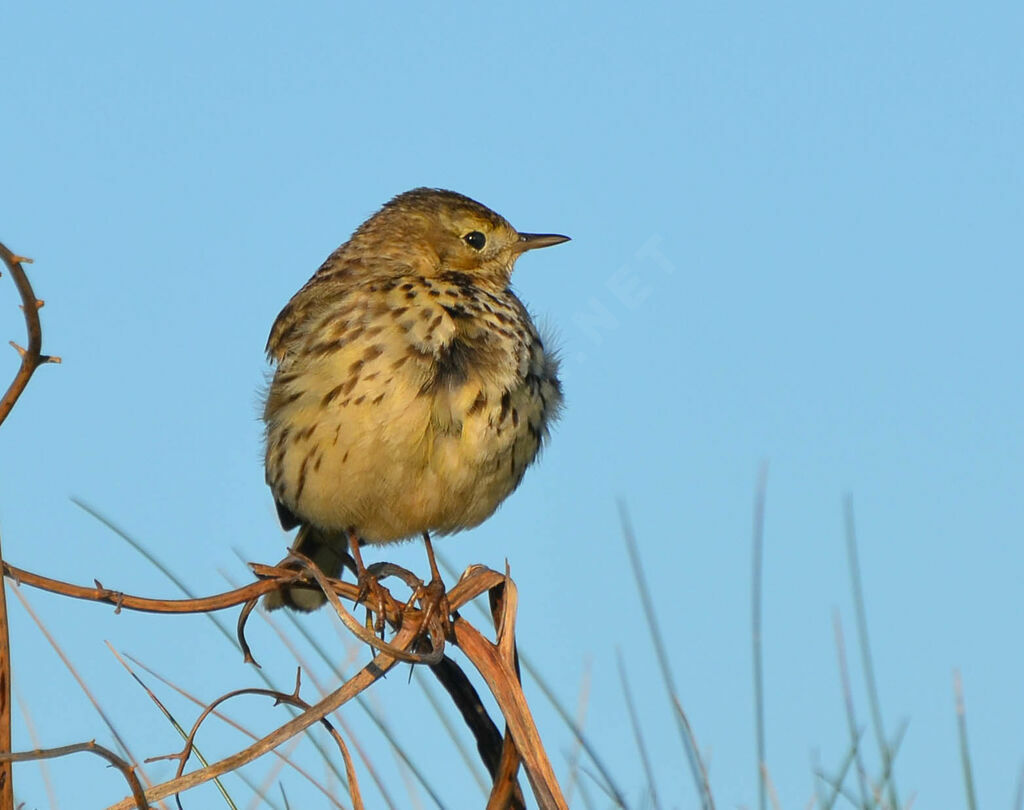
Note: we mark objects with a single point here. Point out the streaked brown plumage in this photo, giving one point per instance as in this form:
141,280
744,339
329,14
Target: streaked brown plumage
412,389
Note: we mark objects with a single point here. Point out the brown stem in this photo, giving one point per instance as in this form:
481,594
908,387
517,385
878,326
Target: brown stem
496,664
138,795
291,699
31,357
122,600
364,678
6,741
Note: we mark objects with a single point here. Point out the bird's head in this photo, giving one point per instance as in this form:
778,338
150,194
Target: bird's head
431,231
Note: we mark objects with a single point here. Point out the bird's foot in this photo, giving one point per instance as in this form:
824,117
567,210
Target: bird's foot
375,597
433,599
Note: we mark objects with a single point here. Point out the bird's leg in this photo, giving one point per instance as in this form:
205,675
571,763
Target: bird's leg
368,586
433,596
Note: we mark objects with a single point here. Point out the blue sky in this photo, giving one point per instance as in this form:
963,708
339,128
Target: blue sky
796,239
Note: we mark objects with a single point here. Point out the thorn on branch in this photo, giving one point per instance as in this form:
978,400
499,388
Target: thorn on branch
31,357
163,757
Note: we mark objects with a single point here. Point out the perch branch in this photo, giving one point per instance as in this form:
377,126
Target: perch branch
496,664
238,596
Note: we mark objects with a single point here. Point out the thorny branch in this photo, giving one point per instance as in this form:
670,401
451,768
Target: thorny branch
275,578
31,357
408,614
360,681
496,662
279,697
420,637
6,737
138,795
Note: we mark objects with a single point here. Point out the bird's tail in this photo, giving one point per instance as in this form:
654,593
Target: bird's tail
328,551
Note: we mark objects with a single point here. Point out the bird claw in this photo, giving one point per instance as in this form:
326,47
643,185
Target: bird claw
374,596
433,599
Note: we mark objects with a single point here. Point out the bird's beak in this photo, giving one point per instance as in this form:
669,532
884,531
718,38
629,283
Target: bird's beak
530,241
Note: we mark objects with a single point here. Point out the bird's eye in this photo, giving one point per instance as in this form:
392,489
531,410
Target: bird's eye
475,240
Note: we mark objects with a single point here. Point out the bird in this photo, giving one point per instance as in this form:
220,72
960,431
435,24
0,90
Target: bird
411,388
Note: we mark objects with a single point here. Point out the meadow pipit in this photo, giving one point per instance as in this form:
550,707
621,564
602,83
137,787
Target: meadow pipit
412,389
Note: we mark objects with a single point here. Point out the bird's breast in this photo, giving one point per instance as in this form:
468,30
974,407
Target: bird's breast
417,409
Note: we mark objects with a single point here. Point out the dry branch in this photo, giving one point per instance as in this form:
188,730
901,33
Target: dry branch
420,634
31,358
91,747
496,662
121,600
279,697
360,681
6,739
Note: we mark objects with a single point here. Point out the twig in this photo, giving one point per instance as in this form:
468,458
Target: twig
234,724
31,357
366,676
474,582
403,756
606,782
138,796
407,616
279,697
506,793
495,662
141,549
6,740
167,715
273,578
107,721
339,717
477,580
261,791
